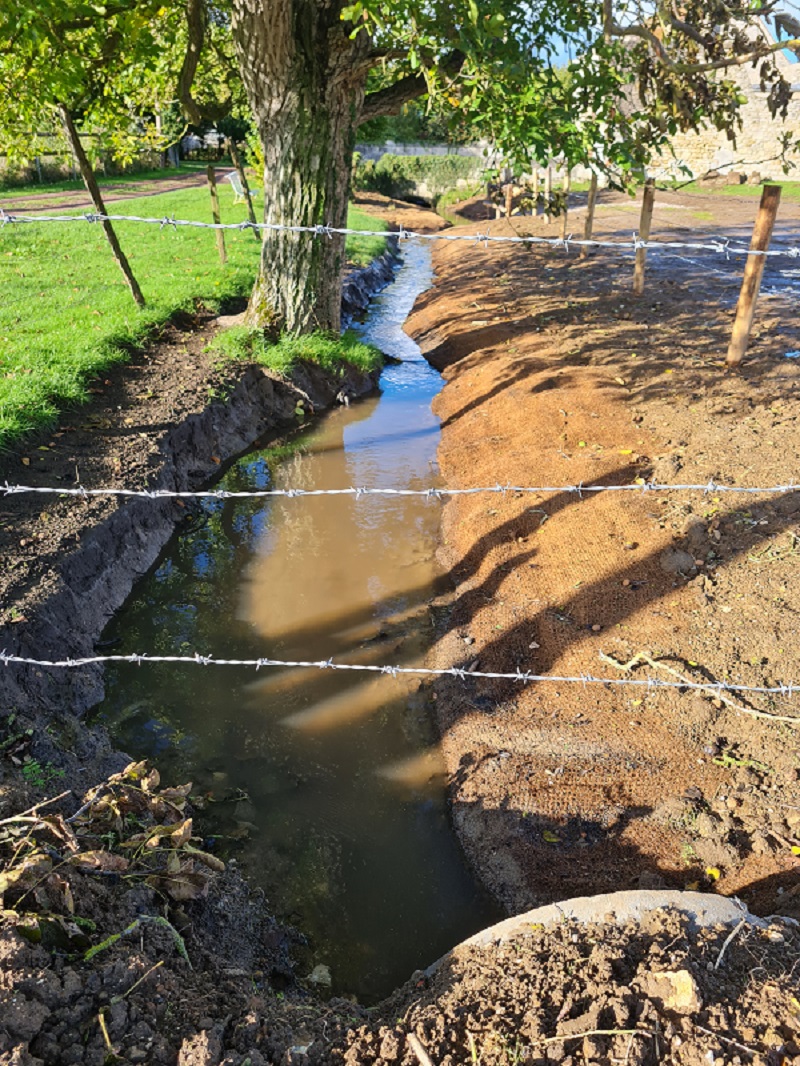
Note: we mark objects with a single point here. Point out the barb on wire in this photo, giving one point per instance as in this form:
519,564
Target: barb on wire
524,677
360,491
721,245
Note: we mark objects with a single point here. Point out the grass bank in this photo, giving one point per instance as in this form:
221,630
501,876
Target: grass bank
248,345
66,314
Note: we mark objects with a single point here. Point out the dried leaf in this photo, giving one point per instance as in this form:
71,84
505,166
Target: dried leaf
26,874
61,892
105,861
134,771
151,781
211,861
187,884
182,834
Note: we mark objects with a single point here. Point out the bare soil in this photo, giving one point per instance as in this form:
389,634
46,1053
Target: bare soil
555,376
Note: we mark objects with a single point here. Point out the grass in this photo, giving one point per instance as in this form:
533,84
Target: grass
328,351
362,250
66,314
791,189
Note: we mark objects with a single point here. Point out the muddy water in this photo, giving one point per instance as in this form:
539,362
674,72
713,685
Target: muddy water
326,787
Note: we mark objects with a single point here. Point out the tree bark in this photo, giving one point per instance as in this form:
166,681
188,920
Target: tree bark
93,189
304,77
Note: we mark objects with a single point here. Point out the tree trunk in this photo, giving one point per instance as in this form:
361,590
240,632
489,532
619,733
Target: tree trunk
304,78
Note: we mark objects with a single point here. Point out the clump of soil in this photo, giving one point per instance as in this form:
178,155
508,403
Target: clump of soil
647,992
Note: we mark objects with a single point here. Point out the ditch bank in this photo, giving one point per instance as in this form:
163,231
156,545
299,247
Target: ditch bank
556,376
168,419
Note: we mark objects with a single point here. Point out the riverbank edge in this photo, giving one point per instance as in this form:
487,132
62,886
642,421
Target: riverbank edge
63,617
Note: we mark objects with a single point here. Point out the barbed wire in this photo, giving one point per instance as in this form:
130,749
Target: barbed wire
720,244
642,487
461,673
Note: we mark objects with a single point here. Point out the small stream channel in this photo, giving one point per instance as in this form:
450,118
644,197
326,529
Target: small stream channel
326,787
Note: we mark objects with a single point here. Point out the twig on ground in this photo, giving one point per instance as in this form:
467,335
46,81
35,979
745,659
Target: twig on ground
726,1040
118,999
31,811
82,810
728,940
711,689
415,1044
104,1031
592,1032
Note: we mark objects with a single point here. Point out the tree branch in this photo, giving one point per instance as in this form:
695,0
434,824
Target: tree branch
737,61
196,19
613,29
389,100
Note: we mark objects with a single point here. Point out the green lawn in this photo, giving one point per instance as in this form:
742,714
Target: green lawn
791,189
66,314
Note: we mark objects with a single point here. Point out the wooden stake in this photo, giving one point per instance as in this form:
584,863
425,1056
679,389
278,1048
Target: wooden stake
753,273
212,187
236,159
509,199
589,224
93,189
648,199
566,187
548,192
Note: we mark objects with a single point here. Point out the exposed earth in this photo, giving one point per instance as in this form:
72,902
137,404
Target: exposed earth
555,376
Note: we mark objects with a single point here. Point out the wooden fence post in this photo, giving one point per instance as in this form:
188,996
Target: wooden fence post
212,186
567,184
509,198
753,273
648,199
548,191
93,189
589,224
236,159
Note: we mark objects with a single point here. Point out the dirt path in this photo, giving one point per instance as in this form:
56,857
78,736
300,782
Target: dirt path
79,198
557,376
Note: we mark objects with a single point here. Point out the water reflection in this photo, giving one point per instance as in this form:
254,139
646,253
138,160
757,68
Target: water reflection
330,782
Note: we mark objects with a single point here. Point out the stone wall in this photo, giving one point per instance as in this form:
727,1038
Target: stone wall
757,142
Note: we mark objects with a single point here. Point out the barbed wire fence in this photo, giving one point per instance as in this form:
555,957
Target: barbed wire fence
720,245
642,487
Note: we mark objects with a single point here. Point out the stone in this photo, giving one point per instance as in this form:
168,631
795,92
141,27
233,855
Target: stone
754,178
676,561
321,975
676,989
202,1049
706,825
734,177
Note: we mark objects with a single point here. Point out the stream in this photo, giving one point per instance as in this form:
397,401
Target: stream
327,789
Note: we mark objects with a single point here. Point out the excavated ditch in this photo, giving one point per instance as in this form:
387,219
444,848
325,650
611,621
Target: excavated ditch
327,787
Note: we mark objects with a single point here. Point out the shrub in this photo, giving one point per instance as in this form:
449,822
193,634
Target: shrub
402,176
